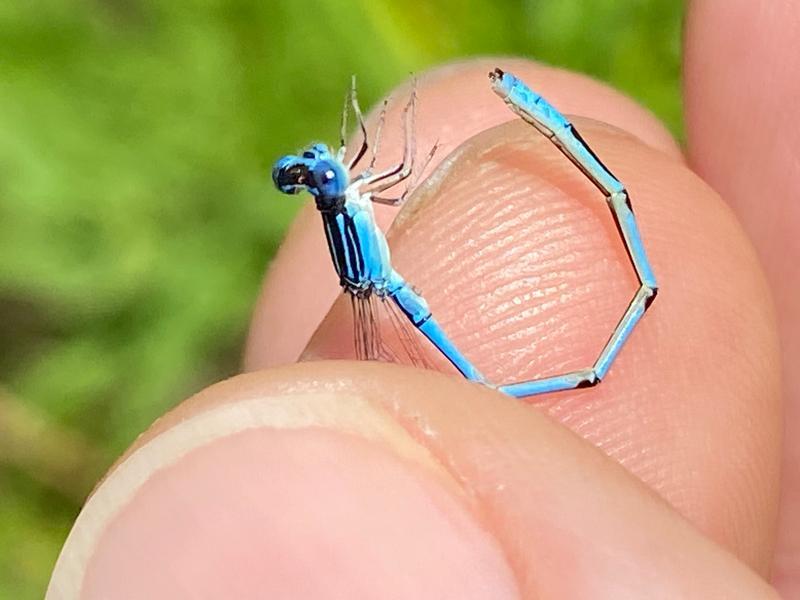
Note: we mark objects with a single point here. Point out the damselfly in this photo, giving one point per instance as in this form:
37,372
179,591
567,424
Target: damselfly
361,255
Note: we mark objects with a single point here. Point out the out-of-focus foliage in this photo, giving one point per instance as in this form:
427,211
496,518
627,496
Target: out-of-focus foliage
136,215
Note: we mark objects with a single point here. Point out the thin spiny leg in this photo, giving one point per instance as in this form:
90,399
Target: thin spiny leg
534,109
343,127
412,182
377,139
397,173
360,118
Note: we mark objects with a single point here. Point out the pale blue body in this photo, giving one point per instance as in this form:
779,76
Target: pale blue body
361,255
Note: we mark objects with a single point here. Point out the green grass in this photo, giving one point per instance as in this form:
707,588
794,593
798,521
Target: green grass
136,216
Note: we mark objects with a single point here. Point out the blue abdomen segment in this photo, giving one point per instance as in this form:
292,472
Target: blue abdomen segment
412,304
416,309
534,109
527,103
537,111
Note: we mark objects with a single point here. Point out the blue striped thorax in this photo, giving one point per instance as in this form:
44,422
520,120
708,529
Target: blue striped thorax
357,247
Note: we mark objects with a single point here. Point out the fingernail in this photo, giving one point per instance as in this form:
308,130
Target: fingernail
281,497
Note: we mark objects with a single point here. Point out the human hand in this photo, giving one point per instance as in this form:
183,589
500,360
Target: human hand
366,480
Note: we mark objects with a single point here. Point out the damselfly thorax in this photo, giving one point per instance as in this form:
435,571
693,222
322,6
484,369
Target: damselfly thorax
357,246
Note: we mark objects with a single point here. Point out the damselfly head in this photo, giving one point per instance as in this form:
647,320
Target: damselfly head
290,174
317,170
327,179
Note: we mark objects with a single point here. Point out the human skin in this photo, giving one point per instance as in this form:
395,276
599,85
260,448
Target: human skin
346,479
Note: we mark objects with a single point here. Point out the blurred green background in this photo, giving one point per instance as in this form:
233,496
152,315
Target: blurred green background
136,215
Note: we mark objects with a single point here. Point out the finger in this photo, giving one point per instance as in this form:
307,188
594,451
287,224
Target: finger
521,263
455,102
742,109
344,480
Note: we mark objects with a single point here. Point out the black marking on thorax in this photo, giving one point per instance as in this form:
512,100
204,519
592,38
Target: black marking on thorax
344,246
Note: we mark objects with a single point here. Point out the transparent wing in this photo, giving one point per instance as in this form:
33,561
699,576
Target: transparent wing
403,345
408,337
367,332
364,330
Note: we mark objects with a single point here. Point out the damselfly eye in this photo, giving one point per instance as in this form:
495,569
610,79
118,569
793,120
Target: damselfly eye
295,175
288,175
323,174
326,178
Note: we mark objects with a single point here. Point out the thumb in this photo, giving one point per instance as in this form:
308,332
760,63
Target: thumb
354,480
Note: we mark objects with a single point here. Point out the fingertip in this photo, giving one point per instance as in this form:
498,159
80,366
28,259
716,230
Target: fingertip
522,265
306,513
334,479
741,59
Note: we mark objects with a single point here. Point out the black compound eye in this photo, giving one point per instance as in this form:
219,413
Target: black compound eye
288,175
324,174
294,175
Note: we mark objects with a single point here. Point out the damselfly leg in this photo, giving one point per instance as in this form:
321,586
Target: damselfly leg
351,101
415,177
385,179
376,141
